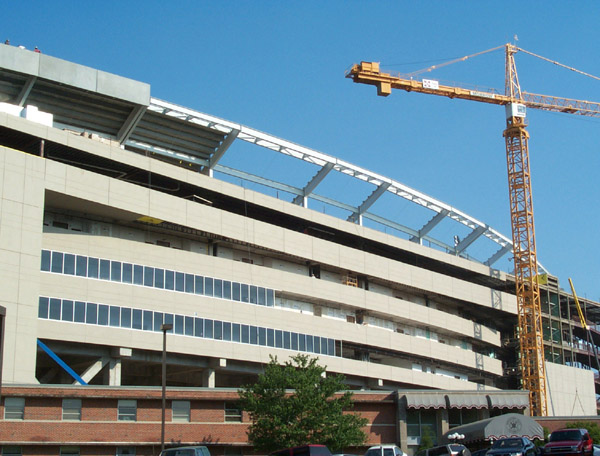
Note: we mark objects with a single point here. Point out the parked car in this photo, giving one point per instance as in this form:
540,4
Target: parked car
385,450
186,451
451,449
569,442
305,450
481,452
512,446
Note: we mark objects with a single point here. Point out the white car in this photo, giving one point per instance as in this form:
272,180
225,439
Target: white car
385,450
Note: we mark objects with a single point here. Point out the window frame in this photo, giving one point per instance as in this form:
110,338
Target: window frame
16,409
71,412
127,410
232,413
184,411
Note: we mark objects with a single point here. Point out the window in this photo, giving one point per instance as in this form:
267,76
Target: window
125,451
43,307
233,413
45,260
181,411
12,451
127,410
69,451
71,409
233,451
14,408
57,262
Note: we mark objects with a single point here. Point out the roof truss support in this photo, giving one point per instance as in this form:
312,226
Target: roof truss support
312,184
328,162
431,224
214,159
26,90
472,237
132,120
499,254
366,204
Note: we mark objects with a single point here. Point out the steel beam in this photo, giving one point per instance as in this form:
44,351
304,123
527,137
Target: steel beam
312,184
322,160
132,120
366,204
26,90
472,237
214,159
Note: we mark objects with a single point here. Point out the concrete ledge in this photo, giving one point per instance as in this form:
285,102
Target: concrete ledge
74,75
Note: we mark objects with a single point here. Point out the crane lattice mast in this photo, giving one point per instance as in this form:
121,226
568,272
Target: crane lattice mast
531,343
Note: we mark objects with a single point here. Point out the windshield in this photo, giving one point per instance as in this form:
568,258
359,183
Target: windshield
565,435
508,443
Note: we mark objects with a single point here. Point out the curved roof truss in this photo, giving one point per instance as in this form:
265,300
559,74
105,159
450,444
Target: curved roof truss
327,163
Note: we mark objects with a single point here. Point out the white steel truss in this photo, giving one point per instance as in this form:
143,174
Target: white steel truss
234,131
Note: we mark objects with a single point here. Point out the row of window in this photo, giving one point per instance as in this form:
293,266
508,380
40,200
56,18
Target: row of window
148,276
148,320
14,409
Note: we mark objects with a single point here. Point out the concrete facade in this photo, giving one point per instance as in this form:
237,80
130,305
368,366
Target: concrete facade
102,241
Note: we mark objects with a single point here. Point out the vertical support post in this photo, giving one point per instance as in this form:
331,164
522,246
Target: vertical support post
533,369
164,328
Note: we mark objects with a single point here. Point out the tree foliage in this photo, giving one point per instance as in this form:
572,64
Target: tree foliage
426,439
591,427
294,404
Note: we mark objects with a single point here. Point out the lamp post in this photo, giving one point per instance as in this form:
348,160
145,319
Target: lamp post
164,328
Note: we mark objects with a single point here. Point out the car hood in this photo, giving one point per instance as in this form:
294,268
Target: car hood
504,451
563,443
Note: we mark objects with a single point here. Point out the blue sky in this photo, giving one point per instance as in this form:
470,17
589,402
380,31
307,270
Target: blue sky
278,66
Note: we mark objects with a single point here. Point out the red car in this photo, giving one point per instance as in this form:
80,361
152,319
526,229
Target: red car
569,442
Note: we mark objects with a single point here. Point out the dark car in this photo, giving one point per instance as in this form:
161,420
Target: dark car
305,450
569,442
513,446
481,452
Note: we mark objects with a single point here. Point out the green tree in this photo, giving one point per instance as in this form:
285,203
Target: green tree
426,439
295,404
591,427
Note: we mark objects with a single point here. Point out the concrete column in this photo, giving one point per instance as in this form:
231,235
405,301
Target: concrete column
401,428
208,378
443,422
115,372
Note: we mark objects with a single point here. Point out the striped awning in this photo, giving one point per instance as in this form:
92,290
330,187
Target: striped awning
423,400
468,401
509,401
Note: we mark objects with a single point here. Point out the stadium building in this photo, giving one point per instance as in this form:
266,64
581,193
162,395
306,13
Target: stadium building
120,212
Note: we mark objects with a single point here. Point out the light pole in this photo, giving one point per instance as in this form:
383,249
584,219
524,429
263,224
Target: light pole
164,328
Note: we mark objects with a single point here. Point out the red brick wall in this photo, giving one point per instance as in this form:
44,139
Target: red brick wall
99,432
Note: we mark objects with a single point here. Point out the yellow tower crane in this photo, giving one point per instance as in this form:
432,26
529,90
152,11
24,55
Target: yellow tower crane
519,184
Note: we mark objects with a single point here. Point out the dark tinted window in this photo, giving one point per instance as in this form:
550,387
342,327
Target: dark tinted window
45,260
558,436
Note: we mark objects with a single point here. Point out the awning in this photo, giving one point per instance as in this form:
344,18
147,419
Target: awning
468,401
425,400
510,400
508,425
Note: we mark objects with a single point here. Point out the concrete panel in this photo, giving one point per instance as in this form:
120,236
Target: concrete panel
123,88
571,391
19,60
69,73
